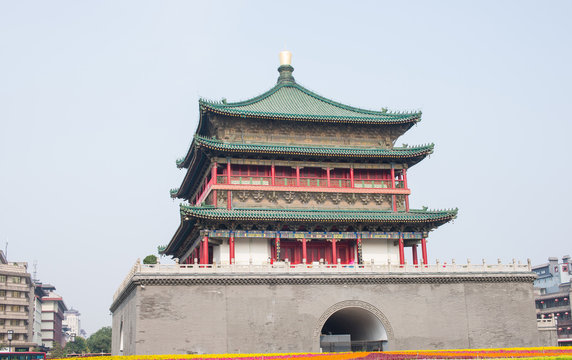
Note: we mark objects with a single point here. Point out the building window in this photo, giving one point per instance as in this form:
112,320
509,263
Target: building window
2,278
16,294
16,279
2,293
16,308
15,322
2,307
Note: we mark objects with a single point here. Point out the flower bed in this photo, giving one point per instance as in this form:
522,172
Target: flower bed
539,352
555,353
298,356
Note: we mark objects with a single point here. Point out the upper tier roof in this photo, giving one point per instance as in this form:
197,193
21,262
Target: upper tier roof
291,101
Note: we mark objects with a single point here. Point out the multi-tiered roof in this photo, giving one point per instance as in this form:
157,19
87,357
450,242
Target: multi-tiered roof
250,132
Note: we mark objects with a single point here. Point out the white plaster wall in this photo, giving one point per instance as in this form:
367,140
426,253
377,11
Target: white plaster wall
380,250
564,275
223,253
256,249
216,254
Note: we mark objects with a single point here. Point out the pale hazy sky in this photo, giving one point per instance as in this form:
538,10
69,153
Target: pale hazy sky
99,98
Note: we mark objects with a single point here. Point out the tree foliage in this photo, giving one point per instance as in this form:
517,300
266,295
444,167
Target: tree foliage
150,259
100,341
57,352
78,346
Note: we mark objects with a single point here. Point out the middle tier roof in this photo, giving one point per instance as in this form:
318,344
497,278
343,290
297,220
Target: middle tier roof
409,155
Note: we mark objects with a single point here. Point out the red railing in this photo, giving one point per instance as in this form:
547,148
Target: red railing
309,182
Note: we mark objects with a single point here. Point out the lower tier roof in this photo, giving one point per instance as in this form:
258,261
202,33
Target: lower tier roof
196,218
326,215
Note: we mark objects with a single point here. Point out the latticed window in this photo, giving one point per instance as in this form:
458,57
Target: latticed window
286,171
312,172
2,278
371,174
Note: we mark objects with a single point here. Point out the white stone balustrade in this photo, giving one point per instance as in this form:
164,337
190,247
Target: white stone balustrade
284,268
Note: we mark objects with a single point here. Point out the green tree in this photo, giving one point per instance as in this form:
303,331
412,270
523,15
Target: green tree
150,259
100,341
78,346
57,352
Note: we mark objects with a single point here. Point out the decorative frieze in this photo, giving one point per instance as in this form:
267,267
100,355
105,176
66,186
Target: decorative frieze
307,198
318,235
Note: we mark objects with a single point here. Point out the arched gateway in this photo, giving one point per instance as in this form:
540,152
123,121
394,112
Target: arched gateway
353,325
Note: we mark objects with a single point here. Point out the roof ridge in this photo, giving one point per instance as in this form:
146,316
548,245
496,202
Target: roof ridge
257,98
347,107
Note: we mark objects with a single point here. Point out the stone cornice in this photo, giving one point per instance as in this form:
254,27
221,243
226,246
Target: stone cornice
319,279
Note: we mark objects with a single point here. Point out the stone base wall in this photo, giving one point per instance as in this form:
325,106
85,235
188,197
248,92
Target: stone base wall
244,313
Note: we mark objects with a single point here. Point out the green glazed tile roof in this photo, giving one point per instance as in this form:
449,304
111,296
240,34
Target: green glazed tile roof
291,101
413,216
395,153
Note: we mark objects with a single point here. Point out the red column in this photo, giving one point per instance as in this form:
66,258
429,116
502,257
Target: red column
213,173
231,247
352,177
205,250
334,253
392,177
401,250
414,250
228,168
229,200
304,257
328,175
213,182
405,187
273,174
424,250
359,254
297,176
200,255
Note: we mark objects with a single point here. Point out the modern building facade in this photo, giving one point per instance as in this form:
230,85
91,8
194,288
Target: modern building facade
72,322
16,304
39,293
296,232
53,308
553,296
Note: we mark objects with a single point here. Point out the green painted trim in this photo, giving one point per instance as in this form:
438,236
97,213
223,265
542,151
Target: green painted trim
412,216
394,153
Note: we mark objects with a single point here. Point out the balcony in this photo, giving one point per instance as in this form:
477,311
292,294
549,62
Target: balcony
310,182
14,315
23,301
555,309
